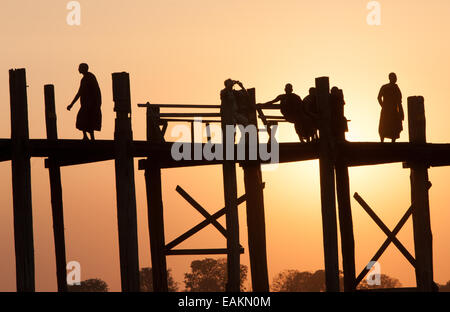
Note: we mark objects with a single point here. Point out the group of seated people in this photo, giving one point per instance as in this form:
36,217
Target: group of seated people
304,114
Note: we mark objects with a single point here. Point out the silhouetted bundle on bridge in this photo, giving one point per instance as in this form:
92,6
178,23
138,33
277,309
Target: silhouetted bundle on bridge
334,153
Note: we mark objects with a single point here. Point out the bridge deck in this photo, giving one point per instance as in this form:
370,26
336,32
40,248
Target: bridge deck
70,152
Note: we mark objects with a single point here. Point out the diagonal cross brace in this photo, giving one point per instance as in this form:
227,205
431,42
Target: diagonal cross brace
385,229
201,225
384,246
200,209
208,220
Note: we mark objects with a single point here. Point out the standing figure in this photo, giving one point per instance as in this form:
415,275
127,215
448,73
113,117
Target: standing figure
338,121
89,118
237,100
392,115
310,109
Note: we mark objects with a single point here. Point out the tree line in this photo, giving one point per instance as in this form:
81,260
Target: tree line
209,275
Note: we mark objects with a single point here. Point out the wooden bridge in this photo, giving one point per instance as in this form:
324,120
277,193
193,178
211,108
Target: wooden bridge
334,153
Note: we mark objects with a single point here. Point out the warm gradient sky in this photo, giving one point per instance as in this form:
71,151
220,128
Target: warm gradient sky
180,52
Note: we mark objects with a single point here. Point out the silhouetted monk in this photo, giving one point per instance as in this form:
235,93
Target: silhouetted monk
89,118
390,99
289,102
237,101
338,121
311,111
291,109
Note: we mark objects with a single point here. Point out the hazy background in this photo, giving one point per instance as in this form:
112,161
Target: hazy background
181,52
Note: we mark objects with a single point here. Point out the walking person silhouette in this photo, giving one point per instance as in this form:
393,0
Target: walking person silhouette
392,115
89,118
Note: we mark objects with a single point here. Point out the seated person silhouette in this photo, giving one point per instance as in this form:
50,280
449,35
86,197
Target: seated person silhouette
392,115
291,107
89,118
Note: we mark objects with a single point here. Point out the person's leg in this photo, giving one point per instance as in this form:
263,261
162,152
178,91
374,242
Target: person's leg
92,135
299,131
85,137
393,140
382,139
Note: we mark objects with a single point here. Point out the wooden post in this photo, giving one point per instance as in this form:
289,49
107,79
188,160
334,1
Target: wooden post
344,204
327,188
56,191
125,188
21,182
155,205
423,240
255,214
230,195
346,226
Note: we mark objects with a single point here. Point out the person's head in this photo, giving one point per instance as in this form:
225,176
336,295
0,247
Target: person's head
392,77
312,91
288,88
83,68
229,83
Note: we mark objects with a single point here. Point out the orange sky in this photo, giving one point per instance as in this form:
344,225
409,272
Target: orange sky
180,52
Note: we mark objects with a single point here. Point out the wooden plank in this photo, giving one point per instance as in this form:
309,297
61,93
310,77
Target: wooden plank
55,191
385,229
353,153
256,223
21,182
155,205
164,115
279,118
125,187
192,252
269,106
327,187
78,160
423,239
5,150
230,198
190,120
206,106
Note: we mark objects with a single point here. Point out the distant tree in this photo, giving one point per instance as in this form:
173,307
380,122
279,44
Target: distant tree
210,275
386,282
90,285
291,281
444,288
146,280
296,281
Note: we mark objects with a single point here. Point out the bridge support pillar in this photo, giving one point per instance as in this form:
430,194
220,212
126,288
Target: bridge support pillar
423,240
